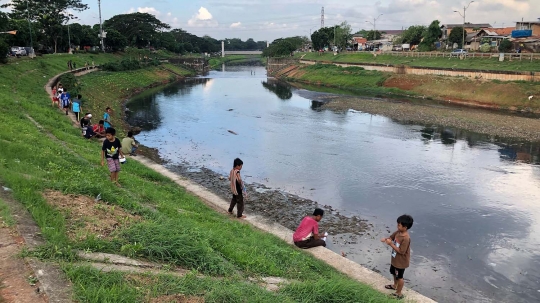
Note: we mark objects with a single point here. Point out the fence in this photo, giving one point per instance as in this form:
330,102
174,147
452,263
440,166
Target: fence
507,56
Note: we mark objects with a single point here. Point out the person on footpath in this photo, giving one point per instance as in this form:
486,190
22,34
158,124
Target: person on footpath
238,189
112,150
128,145
307,233
65,100
55,99
76,107
107,117
400,241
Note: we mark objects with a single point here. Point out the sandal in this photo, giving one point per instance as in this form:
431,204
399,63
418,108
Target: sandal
390,286
397,297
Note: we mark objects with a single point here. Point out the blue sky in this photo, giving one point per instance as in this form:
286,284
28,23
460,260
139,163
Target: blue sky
271,19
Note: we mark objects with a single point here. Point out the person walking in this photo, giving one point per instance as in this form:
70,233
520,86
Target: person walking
237,189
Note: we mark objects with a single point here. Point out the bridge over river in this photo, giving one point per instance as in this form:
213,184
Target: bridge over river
243,53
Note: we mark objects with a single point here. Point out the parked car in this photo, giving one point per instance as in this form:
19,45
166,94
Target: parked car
459,52
18,51
397,48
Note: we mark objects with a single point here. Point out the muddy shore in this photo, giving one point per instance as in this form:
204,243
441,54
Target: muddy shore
497,124
279,206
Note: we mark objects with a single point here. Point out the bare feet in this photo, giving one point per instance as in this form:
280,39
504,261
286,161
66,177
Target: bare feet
243,217
117,184
230,212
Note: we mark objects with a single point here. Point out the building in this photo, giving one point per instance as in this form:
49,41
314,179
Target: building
359,43
469,27
533,26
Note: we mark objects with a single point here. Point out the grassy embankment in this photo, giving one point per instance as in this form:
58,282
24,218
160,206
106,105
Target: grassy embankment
469,63
165,224
507,95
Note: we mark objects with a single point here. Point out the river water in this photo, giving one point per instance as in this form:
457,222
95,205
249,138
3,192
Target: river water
474,198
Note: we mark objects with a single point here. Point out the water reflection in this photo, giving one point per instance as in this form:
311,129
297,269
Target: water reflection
282,90
144,110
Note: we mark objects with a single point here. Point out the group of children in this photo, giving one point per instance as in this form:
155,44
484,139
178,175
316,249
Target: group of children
307,234
113,150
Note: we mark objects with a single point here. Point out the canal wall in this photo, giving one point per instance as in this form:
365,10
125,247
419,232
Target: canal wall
410,70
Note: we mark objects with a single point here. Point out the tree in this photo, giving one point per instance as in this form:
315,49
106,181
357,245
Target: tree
413,35
505,46
432,35
322,37
456,36
279,48
343,34
138,28
115,40
50,14
374,35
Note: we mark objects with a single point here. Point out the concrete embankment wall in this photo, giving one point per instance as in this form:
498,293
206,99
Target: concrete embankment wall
409,70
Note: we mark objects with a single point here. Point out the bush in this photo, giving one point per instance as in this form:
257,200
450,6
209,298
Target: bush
70,83
4,49
485,48
124,65
505,46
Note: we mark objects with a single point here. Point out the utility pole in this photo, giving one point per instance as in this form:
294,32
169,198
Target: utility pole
322,17
374,26
69,39
101,26
29,27
463,34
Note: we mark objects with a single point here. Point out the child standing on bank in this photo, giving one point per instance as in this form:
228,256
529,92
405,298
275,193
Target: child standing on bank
237,188
107,117
400,241
111,150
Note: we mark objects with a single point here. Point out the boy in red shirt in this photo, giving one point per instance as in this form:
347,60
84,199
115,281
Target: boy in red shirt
307,233
401,253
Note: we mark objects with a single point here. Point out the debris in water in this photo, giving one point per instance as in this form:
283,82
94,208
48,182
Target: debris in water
232,132
343,254
230,109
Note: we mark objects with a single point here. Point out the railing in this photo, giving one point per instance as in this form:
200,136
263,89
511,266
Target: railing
507,56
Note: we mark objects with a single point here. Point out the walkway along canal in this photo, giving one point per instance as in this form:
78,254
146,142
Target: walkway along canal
473,197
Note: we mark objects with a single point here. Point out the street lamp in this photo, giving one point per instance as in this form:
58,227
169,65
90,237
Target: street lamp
30,28
464,11
374,26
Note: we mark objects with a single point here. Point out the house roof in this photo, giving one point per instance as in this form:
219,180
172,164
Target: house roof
360,40
392,31
528,22
468,25
505,31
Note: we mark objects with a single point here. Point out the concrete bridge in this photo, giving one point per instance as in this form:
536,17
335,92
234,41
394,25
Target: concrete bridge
243,53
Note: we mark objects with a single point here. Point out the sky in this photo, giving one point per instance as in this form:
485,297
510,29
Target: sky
269,20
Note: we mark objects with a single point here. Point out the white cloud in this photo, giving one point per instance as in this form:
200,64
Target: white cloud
149,10
236,25
203,18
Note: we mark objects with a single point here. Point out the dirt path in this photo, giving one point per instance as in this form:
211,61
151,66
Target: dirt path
17,282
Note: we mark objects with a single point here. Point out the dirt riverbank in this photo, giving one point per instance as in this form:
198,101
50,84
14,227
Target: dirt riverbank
480,121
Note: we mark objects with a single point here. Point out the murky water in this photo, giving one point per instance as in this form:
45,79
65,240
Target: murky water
474,198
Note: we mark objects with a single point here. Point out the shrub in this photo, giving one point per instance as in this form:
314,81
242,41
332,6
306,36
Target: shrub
4,49
505,46
485,48
71,83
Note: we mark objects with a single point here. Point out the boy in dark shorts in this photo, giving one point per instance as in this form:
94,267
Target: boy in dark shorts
111,150
237,189
401,253
65,100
